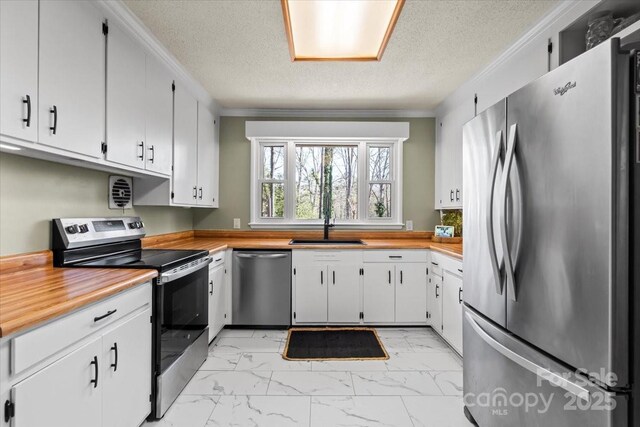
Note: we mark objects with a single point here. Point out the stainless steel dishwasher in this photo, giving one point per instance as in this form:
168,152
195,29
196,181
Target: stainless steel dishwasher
261,291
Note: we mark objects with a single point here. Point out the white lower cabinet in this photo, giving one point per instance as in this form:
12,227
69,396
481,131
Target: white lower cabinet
310,293
102,379
67,393
452,309
355,286
434,302
411,292
217,296
125,372
445,298
379,293
343,301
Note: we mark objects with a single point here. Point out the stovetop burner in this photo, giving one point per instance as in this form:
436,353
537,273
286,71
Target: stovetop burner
159,259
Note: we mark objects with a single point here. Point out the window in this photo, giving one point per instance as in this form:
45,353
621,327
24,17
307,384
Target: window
300,182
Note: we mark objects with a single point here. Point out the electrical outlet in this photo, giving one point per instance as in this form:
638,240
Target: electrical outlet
408,225
236,222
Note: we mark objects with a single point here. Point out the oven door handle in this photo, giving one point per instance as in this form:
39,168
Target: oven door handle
193,267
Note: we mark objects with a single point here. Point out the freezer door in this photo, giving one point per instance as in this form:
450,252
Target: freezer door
508,383
565,215
483,153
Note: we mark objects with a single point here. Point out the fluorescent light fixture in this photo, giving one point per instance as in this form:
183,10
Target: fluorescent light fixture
10,147
339,30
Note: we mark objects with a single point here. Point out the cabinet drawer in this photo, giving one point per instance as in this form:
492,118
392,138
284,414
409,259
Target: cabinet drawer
436,264
217,259
327,256
43,342
395,256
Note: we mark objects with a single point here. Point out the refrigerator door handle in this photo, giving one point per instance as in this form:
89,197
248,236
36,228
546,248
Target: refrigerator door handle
542,372
495,161
506,250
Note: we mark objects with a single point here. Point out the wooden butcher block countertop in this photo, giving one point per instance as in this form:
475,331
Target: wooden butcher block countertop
32,291
214,241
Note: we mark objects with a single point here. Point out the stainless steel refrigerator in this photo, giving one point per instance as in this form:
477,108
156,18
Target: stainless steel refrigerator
551,255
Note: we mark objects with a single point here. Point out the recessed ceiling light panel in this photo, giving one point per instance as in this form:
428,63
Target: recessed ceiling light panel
339,30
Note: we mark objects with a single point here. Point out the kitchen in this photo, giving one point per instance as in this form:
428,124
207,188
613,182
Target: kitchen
208,217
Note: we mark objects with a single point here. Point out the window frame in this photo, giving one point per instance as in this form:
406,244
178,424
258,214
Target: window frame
363,221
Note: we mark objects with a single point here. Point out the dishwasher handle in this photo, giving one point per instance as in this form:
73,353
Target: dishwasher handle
269,256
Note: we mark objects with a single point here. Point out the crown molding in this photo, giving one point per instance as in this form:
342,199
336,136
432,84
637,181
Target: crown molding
129,22
311,113
571,9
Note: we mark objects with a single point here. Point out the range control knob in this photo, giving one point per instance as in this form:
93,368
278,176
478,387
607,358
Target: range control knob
72,229
84,228
132,225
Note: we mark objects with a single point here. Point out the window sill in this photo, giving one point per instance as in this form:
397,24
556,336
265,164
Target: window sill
353,226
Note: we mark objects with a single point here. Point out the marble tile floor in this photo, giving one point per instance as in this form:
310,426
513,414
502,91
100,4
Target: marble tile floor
245,382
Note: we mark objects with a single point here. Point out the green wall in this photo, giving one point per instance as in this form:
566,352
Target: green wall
32,192
235,174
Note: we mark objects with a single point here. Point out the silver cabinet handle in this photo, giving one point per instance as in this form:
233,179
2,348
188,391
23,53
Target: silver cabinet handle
270,256
153,154
200,193
141,155
210,287
493,256
506,250
195,192
530,366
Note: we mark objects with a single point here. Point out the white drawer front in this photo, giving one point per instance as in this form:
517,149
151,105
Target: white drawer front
436,263
327,256
217,258
402,255
40,343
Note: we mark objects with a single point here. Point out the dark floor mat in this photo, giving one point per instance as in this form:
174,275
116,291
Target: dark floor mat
334,344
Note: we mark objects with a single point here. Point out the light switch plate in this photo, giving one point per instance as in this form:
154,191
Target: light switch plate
236,222
408,225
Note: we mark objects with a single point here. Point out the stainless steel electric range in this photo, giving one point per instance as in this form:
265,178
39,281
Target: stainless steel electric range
180,303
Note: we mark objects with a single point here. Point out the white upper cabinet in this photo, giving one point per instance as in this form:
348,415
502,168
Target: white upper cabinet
207,157
72,77
19,69
185,148
125,99
159,117
449,156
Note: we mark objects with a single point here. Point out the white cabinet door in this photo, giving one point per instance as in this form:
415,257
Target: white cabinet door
159,117
207,167
379,293
19,69
311,293
125,99
217,301
185,148
65,393
72,77
411,292
344,293
125,372
434,301
452,309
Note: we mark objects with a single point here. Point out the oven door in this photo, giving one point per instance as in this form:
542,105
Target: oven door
182,314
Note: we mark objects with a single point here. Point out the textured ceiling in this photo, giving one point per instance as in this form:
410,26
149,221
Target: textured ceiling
238,51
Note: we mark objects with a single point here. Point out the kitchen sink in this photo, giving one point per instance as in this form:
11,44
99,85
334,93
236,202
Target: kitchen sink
325,242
